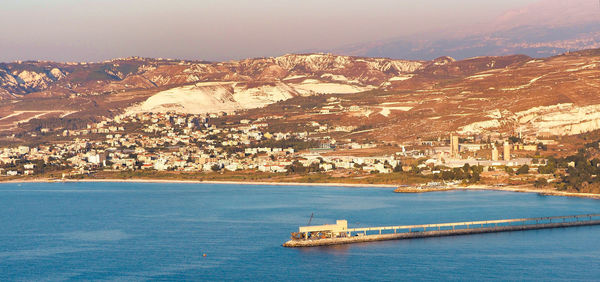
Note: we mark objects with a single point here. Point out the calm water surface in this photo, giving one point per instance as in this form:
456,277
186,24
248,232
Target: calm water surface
127,231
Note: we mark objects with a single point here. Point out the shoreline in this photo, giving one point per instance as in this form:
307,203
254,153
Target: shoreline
141,180
526,189
516,189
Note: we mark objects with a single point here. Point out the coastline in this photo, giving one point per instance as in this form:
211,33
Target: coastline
142,180
516,189
528,189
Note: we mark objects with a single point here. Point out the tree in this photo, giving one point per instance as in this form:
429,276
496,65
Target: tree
549,168
595,163
314,167
415,169
447,175
524,169
540,182
475,176
296,167
215,167
542,147
514,139
466,168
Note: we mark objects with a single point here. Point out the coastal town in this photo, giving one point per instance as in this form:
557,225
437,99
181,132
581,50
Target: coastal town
207,144
300,140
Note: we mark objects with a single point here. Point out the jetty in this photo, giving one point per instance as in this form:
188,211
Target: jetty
339,233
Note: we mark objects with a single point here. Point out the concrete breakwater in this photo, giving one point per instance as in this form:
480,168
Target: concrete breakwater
311,236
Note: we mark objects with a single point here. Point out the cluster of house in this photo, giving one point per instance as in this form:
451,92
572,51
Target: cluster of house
23,160
180,142
167,141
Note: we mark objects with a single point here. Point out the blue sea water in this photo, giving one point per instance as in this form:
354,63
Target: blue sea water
141,231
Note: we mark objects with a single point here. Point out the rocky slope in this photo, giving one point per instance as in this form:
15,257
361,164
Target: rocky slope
484,96
52,79
225,86
403,100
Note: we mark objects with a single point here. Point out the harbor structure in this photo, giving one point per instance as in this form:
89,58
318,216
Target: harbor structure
337,234
339,229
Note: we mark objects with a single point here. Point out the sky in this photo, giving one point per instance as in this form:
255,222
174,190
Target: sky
217,30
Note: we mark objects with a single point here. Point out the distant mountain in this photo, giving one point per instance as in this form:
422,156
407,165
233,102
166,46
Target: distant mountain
550,13
545,28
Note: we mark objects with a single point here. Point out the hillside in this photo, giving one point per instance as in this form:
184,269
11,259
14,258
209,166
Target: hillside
485,96
372,98
47,89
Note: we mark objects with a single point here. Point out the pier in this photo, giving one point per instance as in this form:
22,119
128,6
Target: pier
339,233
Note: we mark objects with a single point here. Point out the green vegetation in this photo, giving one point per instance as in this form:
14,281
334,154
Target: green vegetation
297,167
524,169
470,174
377,178
515,139
254,176
39,167
540,183
576,173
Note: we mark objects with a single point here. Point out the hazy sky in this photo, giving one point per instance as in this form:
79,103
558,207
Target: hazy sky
93,30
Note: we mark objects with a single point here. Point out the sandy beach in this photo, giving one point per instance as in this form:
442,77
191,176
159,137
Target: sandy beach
518,189
43,180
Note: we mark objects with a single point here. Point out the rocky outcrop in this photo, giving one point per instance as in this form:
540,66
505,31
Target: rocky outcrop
122,74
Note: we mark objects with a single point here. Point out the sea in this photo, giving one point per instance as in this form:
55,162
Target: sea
222,232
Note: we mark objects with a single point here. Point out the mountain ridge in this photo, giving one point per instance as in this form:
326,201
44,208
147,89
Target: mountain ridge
21,78
387,99
541,29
